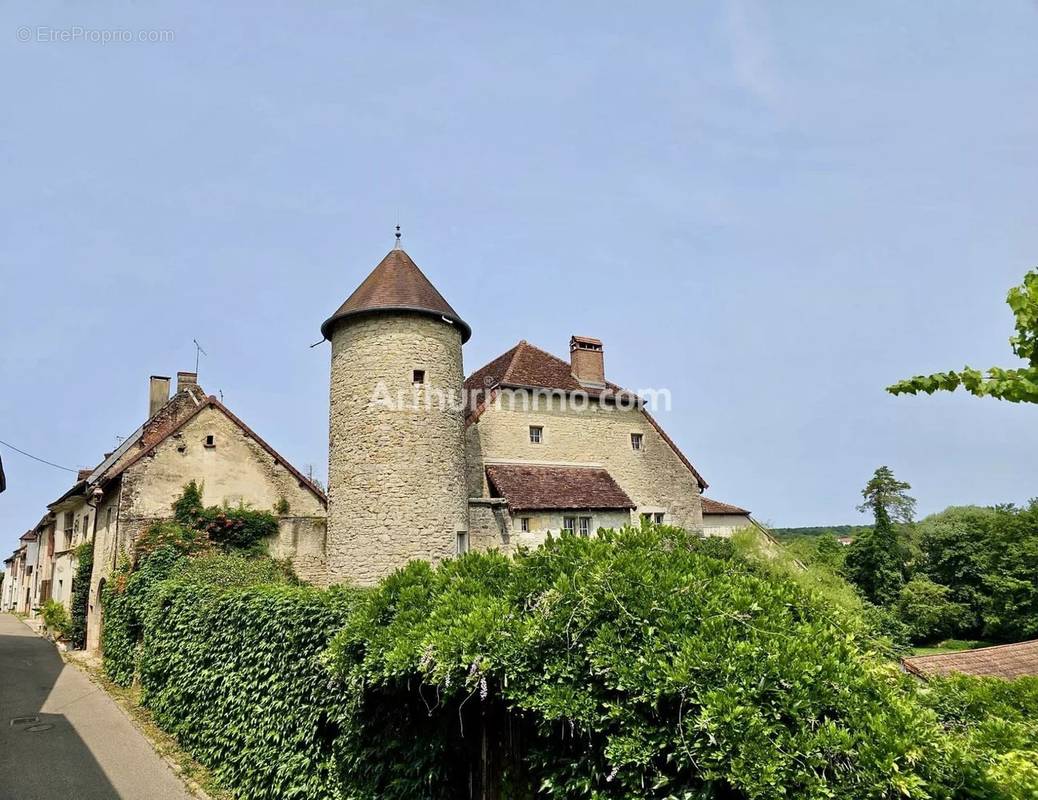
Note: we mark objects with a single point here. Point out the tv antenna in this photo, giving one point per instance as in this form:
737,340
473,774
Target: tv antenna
198,351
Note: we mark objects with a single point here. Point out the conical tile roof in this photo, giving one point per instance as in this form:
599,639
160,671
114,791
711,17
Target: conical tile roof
396,284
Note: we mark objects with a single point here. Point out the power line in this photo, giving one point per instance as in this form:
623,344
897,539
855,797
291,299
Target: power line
36,458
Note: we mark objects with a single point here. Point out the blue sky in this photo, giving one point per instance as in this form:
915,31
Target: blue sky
773,210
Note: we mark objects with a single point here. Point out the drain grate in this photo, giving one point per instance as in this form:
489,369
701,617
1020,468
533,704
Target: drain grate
24,720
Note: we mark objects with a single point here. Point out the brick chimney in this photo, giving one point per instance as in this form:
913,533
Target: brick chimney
587,360
158,393
186,379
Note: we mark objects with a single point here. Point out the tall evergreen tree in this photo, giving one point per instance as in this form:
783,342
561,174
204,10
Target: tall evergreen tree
875,562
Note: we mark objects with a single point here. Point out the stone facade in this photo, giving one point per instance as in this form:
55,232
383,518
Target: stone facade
654,476
396,458
233,468
542,523
725,524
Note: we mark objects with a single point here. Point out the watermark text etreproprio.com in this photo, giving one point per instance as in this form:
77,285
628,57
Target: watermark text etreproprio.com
78,33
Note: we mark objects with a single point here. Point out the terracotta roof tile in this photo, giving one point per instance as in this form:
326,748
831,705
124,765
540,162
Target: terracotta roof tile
1002,661
717,507
528,366
528,487
396,284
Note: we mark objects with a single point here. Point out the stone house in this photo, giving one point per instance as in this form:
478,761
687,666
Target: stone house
191,436
424,463
25,558
7,587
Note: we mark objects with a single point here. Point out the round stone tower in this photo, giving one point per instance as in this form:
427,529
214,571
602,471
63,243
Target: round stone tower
396,452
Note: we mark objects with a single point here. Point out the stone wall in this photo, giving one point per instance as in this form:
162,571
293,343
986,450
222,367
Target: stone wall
302,540
490,525
396,472
544,522
654,477
725,524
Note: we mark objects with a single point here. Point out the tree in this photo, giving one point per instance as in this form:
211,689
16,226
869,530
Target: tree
1015,385
930,613
955,544
875,561
886,493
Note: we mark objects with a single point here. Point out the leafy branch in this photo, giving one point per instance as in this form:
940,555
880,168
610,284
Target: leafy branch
1015,385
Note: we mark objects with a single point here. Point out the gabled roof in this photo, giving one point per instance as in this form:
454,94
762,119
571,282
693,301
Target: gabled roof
527,366
212,402
28,536
1001,661
541,488
717,507
396,284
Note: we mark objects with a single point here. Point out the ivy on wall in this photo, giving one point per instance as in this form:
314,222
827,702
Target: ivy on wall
81,594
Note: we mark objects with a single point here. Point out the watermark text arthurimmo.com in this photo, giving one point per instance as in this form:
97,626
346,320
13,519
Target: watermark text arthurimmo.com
78,33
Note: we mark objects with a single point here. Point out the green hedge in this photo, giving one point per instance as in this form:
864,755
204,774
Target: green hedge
642,664
236,675
631,665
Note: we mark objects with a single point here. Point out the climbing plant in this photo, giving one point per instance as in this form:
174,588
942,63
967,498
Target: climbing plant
227,527
81,594
1019,385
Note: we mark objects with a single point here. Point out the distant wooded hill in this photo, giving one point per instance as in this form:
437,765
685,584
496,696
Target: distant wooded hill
832,530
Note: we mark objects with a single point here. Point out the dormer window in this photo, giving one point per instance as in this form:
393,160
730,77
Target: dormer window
418,377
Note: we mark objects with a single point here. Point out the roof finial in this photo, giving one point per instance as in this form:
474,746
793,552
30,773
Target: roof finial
397,245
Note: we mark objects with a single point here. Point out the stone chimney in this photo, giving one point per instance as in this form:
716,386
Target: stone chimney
186,379
587,361
158,393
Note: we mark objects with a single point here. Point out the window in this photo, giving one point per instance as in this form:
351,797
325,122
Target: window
418,376
636,441
463,542
585,526
70,526
658,517
536,434
652,517
210,440
569,524
524,524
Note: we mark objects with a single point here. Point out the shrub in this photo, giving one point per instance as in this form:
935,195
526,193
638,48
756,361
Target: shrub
56,618
930,614
993,724
81,594
630,665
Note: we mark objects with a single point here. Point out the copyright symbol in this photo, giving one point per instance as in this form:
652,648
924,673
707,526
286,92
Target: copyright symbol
24,34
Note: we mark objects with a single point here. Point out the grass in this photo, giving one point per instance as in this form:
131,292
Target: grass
198,779
949,646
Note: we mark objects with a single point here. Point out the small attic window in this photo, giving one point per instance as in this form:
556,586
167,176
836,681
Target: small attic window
418,377
210,440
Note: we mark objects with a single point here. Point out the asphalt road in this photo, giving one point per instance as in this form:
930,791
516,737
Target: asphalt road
62,738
